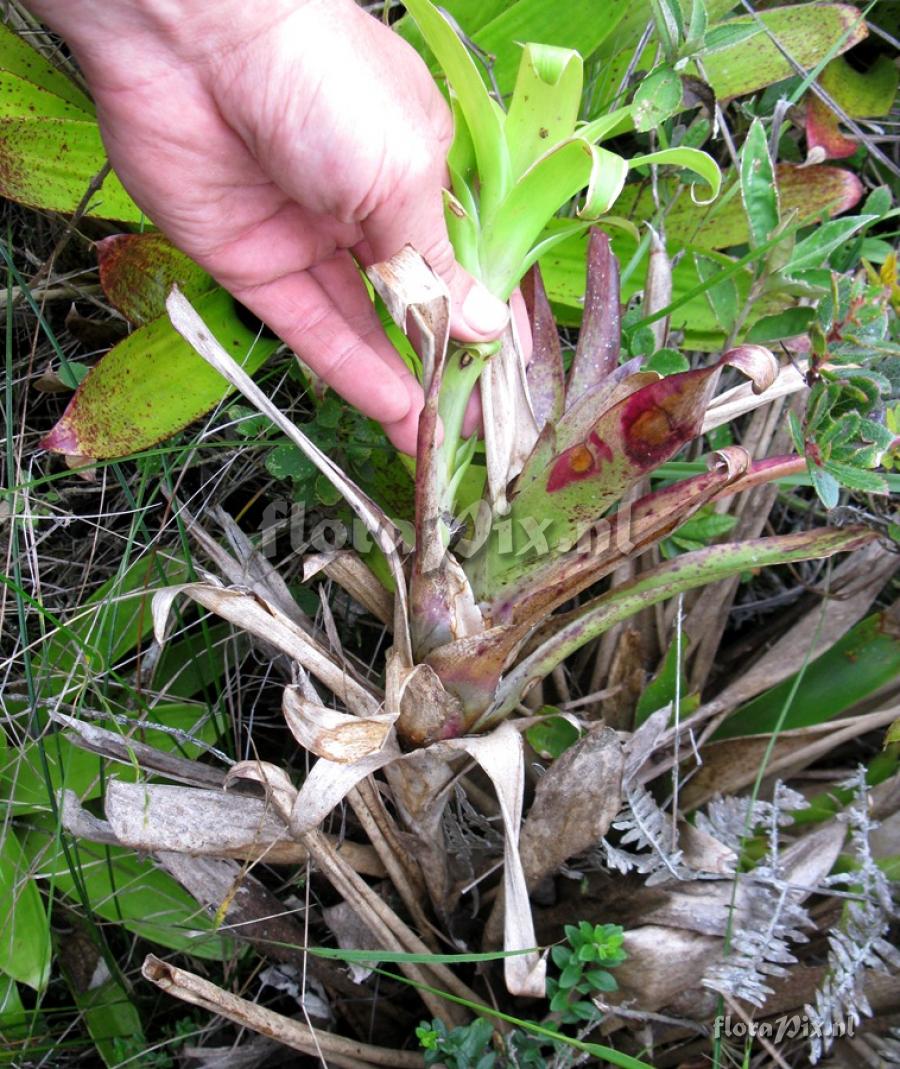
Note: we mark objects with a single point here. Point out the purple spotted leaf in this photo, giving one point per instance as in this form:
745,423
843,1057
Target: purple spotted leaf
563,495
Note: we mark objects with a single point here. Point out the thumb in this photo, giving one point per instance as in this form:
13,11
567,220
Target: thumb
476,315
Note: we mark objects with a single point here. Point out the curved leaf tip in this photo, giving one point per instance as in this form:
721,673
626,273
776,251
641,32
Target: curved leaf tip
756,362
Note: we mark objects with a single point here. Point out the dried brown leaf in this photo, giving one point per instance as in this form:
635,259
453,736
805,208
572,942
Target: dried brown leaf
336,736
574,804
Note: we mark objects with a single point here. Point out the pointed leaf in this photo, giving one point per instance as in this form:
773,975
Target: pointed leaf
152,385
759,191
599,339
138,270
658,292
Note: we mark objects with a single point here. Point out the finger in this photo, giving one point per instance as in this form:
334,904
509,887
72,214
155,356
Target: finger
303,315
417,219
339,278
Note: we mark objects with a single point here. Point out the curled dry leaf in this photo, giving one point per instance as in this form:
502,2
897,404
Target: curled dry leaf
510,427
335,736
500,755
118,747
81,823
155,817
348,571
789,379
339,1051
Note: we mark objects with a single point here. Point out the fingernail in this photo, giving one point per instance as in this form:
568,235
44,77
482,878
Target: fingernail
483,312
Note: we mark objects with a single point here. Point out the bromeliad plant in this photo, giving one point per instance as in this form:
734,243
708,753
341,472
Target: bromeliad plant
476,601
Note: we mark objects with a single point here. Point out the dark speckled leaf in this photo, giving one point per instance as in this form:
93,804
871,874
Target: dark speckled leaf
50,163
19,58
153,384
137,271
806,32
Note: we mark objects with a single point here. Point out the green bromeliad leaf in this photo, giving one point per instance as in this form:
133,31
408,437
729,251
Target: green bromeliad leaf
498,28
21,99
19,58
153,384
49,163
545,104
573,630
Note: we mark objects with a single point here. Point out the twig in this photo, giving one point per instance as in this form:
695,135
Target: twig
346,1053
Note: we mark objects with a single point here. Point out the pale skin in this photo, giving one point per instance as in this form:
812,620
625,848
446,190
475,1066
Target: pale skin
278,144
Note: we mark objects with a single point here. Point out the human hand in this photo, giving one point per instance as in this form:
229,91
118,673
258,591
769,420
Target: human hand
274,143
